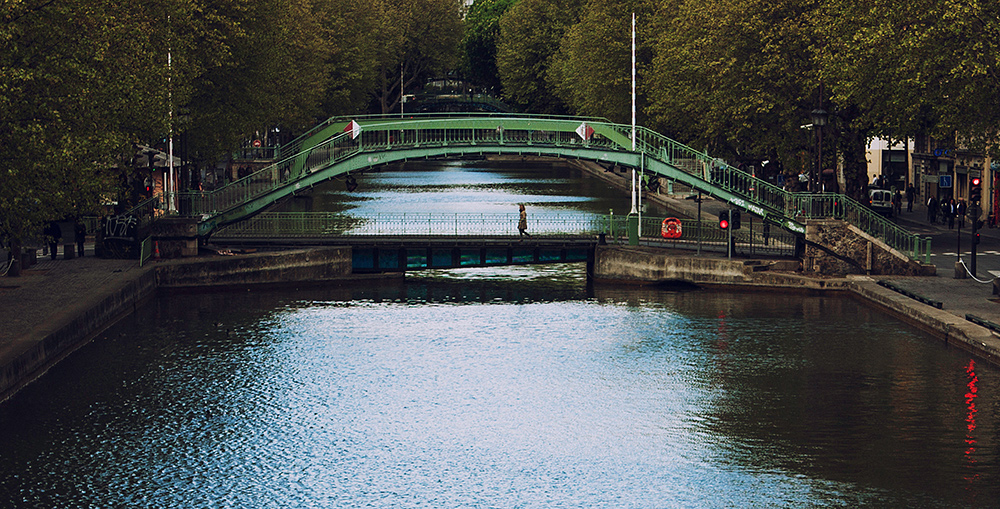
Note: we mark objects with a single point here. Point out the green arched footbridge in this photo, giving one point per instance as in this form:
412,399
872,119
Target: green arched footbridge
342,146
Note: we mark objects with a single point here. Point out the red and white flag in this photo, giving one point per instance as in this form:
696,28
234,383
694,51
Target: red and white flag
585,131
354,128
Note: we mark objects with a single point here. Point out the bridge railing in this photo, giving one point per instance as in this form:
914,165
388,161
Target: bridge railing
281,173
752,239
766,199
145,212
829,205
300,143
374,138
755,195
321,224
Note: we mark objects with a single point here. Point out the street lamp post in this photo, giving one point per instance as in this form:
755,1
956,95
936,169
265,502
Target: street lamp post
819,117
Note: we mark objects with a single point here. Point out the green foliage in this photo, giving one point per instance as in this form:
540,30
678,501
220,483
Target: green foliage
530,35
275,43
482,31
592,72
917,68
77,79
421,41
738,78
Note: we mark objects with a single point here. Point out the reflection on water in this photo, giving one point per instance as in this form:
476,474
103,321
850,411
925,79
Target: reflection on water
514,387
462,188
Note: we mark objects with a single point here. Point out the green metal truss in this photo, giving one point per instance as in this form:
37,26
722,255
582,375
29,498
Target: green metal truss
328,152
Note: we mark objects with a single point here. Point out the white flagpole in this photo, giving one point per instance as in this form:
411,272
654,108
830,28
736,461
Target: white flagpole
169,188
634,198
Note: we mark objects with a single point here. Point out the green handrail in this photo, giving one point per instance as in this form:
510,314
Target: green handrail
327,145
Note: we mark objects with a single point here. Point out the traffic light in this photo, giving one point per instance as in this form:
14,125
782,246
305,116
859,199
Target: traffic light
975,194
975,238
734,218
724,220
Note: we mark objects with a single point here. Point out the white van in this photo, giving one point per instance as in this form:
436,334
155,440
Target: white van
880,200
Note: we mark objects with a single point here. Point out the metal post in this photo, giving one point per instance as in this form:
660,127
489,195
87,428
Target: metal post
959,270
699,223
972,269
729,243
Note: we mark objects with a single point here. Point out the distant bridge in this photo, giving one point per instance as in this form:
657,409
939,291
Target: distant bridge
407,242
343,148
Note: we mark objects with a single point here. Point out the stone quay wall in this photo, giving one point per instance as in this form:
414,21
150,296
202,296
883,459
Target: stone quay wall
25,358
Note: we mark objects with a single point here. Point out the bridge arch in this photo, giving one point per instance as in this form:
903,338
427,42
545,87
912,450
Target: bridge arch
342,146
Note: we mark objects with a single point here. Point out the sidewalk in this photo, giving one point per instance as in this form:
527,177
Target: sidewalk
959,297
52,288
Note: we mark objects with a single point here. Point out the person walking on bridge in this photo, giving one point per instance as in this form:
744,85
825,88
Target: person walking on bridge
522,222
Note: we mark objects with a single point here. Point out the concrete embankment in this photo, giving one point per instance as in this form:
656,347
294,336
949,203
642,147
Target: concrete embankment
640,265
51,312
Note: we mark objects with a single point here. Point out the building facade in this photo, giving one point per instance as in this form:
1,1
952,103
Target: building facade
944,169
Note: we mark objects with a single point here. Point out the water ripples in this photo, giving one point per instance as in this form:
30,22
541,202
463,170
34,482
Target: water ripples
532,393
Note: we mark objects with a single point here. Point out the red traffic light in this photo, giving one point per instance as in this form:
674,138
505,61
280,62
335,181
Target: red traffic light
724,220
976,181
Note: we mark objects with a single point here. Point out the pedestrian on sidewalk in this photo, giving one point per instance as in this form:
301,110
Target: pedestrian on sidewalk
949,212
960,212
910,194
897,203
53,234
932,209
80,232
522,222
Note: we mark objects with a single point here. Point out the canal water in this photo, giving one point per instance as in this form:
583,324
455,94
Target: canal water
505,387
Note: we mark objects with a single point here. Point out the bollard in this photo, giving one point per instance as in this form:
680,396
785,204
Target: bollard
15,267
633,230
959,270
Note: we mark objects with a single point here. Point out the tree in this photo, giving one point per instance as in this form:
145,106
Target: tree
482,30
592,70
78,80
268,68
353,56
530,35
420,40
928,68
734,76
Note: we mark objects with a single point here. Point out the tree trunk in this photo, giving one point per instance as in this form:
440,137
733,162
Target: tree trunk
853,145
15,259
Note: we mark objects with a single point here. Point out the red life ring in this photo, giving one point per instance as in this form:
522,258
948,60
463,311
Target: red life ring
671,228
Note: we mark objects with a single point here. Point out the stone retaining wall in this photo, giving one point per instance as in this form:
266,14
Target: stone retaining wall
306,265
841,240
71,328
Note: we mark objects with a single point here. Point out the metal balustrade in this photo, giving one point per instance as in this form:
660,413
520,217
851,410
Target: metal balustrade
328,152
320,224
751,239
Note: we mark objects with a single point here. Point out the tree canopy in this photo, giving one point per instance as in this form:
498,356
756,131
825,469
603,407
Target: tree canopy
82,82
482,31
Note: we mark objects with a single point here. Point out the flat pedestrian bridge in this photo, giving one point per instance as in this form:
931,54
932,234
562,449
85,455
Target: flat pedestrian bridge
343,148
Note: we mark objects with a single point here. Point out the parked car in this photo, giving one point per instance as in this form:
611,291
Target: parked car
880,200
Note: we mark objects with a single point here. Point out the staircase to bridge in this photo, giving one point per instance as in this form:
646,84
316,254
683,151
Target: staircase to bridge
344,148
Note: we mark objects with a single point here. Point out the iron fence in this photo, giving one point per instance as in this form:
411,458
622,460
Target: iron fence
754,238
380,134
